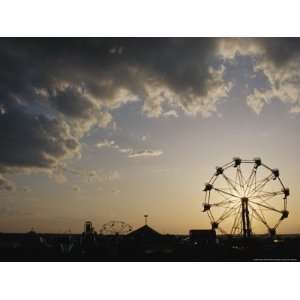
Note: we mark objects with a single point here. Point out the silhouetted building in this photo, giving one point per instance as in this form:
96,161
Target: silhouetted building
88,227
144,233
88,238
203,236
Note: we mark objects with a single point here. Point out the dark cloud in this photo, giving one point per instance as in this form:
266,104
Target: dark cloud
33,141
278,59
73,103
280,51
106,76
54,90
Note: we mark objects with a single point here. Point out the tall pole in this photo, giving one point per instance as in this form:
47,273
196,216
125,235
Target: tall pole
146,217
246,226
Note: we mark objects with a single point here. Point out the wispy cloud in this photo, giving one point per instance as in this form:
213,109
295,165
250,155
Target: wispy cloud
125,150
106,144
145,153
170,113
130,151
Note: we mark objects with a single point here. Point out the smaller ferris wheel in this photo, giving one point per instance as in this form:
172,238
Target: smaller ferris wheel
245,196
115,228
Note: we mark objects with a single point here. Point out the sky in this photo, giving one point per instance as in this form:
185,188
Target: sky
108,129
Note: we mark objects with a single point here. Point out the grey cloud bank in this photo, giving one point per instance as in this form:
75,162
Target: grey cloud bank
54,91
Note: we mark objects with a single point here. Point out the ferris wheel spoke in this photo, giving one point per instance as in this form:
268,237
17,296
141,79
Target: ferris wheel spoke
230,183
227,213
211,217
265,206
251,216
258,216
268,195
227,193
260,186
265,201
277,224
261,213
236,221
259,219
250,179
240,177
225,197
221,203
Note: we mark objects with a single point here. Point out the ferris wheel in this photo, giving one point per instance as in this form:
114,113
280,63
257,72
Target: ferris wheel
245,196
115,228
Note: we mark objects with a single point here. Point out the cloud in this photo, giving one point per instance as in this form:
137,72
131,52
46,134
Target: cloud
192,100
34,141
278,59
145,153
257,100
6,185
54,91
82,77
170,113
106,144
131,153
125,150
